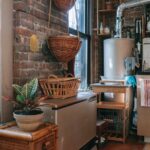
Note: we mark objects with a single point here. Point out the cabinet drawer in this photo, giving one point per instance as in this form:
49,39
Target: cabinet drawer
13,144
46,143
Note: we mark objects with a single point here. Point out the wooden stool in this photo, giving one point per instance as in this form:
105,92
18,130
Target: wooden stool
101,127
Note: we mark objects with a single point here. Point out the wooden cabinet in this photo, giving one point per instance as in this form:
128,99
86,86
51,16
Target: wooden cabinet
115,113
12,138
106,12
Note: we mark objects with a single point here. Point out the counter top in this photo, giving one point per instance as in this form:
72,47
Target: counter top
60,103
110,87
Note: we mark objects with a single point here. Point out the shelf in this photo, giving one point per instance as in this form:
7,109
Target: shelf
147,31
107,11
101,35
107,35
116,88
111,105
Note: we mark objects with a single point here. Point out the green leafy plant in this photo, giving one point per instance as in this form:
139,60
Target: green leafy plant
26,96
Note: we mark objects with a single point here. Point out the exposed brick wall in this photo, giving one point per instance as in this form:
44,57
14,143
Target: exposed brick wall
129,20
31,17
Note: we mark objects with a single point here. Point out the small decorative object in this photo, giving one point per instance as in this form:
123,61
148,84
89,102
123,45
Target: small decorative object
101,28
27,114
59,87
64,47
34,43
106,30
64,5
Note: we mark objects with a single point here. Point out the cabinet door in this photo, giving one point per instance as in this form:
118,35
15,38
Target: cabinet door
143,122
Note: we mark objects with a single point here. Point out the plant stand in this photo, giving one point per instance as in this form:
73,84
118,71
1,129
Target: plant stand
13,138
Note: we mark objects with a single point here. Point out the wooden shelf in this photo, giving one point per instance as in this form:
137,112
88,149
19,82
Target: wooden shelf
116,88
111,105
107,11
106,35
101,35
147,31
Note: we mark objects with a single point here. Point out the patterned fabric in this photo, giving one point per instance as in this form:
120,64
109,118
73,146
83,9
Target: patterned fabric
145,92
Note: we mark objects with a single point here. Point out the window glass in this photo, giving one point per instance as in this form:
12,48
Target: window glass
80,7
81,59
81,64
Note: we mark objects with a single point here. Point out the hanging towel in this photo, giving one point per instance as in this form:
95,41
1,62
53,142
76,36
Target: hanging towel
145,92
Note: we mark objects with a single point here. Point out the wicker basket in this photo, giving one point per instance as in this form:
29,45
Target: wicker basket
64,47
63,87
64,5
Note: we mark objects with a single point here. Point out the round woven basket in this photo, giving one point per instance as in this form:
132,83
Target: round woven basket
64,47
64,5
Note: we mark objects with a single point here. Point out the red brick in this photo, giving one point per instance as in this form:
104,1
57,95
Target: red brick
23,31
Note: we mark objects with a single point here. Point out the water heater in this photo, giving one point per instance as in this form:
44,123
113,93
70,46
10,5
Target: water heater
116,50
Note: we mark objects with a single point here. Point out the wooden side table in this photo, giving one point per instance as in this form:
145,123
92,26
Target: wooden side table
13,138
122,107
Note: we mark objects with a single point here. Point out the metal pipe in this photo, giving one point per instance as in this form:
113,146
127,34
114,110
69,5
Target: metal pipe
120,10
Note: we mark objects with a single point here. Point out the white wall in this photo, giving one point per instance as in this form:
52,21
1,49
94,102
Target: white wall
6,57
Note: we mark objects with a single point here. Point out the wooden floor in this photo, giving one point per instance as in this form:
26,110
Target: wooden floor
132,143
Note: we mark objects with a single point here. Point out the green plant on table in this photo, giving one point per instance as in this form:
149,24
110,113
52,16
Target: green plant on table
26,96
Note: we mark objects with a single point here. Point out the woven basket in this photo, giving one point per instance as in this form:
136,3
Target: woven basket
64,5
64,47
63,87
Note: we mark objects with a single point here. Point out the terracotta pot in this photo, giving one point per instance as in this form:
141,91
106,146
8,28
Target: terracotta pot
28,122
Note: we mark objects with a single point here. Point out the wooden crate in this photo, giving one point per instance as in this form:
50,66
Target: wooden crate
13,138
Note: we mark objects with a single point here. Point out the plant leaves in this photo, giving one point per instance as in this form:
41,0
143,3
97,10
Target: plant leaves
25,91
18,89
20,98
33,85
29,89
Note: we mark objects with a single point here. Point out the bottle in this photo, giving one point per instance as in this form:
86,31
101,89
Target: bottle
128,33
101,28
138,44
138,35
148,23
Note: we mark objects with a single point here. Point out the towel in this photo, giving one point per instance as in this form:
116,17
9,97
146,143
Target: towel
145,92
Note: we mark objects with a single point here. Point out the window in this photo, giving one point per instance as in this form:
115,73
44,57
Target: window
82,58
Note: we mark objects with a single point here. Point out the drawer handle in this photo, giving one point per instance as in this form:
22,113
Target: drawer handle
45,145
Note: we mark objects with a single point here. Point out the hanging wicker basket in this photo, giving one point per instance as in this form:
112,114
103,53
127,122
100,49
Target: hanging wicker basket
64,5
64,47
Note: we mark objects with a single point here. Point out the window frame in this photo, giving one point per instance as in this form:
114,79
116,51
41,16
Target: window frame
85,35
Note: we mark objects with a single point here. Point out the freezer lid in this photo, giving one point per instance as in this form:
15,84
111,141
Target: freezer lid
61,103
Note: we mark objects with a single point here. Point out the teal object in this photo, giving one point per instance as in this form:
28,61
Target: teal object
130,80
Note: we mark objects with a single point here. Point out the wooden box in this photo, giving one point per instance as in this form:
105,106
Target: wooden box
13,138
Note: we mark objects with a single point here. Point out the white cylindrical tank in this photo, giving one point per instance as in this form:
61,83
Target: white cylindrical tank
115,52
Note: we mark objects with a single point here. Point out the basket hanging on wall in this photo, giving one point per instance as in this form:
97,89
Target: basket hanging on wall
64,5
64,47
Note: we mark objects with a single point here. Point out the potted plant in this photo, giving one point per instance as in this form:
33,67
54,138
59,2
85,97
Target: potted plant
27,114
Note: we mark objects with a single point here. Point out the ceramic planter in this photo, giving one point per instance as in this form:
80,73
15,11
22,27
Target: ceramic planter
28,122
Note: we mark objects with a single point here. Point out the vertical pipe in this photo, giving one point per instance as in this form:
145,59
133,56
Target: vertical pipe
120,10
